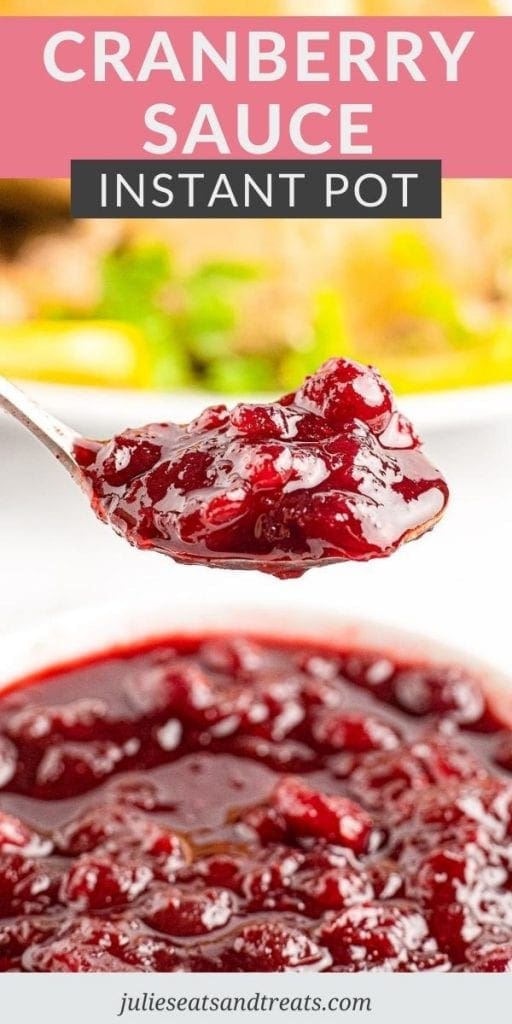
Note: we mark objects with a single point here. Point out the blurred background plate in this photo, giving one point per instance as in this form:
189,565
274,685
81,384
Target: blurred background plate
242,307
107,410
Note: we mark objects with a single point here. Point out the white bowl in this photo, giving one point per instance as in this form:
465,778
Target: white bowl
72,636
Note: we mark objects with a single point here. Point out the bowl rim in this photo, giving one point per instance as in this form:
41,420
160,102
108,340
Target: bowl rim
64,638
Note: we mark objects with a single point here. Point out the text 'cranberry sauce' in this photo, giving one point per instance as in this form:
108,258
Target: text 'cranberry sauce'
225,804
331,472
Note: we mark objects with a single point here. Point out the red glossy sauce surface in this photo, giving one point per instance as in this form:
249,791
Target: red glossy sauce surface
233,805
331,472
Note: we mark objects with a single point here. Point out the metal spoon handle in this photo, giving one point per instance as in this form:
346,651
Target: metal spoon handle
56,436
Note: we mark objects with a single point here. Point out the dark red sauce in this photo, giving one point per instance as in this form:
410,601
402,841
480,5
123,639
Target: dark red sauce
331,472
224,804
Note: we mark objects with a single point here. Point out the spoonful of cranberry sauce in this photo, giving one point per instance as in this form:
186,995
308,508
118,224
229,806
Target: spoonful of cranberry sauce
332,472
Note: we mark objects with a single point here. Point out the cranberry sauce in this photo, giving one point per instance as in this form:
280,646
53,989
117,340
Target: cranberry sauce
329,473
225,804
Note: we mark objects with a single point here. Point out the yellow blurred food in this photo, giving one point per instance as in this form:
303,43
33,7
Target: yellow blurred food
102,354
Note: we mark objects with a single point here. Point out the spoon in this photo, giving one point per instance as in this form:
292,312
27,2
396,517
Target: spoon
155,486
56,436
60,440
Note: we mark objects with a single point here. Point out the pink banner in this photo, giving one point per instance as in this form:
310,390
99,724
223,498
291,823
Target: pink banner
256,88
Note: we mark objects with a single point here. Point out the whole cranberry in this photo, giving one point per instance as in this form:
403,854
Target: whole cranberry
309,812
342,390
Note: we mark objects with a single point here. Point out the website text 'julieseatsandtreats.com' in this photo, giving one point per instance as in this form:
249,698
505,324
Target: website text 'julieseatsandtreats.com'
258,1002
255,500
